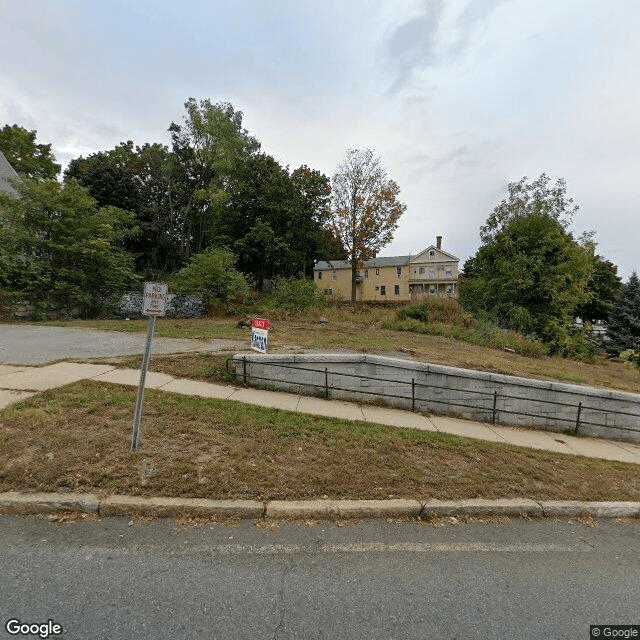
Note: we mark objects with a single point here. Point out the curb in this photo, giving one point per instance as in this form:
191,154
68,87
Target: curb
16,503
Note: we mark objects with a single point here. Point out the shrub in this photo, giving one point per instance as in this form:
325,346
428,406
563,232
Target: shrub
212,273
294,294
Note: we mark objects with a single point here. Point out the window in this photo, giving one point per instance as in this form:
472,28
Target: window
334,275
366,273
433,289
383,290
319,275
432,272
377,272
421,270
432,254
398,271
448,272
396,290
329,292
449,289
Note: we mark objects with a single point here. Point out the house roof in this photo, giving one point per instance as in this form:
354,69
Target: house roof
432,247
6,171
393,261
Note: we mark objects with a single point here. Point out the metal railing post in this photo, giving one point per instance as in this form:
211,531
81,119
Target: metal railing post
326,383
244,365
495,400
575,431
413,394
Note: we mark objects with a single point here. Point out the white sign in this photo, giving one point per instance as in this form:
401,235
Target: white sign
154,298
259,335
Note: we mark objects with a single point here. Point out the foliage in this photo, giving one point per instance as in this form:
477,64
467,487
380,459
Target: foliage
436,309
524,199
138,180
365,208
623,331
28,158
295,294
63,246
212,274
604,286
529,278
487,334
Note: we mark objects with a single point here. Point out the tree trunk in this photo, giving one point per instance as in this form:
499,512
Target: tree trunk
353,283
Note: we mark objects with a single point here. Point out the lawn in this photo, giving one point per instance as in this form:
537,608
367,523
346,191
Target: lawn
78,438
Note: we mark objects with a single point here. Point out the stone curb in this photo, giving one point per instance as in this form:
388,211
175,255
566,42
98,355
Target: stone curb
16,503
176,507
479,507
342,508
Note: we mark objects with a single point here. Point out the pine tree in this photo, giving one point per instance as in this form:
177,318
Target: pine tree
624,321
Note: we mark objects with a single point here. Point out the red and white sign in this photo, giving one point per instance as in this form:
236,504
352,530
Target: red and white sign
259,335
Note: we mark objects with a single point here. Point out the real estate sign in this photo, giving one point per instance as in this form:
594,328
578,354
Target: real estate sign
259,335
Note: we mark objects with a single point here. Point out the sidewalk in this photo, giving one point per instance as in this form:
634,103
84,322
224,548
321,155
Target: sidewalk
18,383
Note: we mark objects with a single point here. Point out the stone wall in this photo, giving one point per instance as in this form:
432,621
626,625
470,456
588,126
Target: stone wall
178,306
476,395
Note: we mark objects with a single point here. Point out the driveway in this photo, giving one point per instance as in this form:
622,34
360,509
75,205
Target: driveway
30,345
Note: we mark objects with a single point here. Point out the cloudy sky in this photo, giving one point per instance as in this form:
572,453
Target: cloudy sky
458,97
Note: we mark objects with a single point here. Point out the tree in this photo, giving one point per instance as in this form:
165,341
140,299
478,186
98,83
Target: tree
365,208
604,287
212,273
28,158
623,331
530,277
526,198
209,149
64,247
138,180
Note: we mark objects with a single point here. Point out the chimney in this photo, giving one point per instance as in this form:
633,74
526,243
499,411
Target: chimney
438,242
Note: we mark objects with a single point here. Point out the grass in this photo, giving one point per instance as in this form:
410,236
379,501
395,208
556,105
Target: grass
78,438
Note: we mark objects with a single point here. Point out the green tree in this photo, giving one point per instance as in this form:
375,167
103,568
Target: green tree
603,287
530,277
64,247
26,156
212,274
365,208
526,198
138,180
209,150
623,331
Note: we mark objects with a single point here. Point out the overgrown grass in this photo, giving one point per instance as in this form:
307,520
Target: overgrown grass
78,438
444,317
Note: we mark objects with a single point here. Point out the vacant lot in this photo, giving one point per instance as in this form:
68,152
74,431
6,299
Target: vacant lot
78,438
360,329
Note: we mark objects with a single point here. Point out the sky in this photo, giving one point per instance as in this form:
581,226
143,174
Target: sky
457,97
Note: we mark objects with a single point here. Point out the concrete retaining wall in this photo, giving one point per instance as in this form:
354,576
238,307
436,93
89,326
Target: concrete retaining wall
475,395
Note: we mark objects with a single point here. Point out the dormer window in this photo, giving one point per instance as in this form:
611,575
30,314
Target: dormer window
432,253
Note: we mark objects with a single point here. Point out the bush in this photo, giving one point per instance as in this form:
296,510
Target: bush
212,274
294,294
444,310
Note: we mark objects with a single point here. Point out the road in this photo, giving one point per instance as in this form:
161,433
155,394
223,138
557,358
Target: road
33,345
371,579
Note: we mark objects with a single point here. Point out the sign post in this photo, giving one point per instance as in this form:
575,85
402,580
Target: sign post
259,335
154,303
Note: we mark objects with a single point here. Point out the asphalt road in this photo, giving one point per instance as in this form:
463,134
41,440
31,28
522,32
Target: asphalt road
369,580
31,345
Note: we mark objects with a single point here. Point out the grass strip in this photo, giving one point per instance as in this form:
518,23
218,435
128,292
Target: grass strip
78,438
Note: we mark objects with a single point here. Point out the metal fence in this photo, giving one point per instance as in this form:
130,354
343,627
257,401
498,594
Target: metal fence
483,403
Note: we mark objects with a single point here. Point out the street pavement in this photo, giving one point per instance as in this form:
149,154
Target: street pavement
18,382
118,579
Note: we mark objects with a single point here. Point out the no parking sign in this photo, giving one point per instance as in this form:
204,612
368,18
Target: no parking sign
259,335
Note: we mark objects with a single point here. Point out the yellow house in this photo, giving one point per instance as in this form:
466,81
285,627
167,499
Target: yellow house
394,279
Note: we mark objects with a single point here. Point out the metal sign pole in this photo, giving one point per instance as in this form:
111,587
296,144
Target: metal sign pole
143,375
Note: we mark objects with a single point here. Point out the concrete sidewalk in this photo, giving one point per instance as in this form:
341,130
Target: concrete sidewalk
17,383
